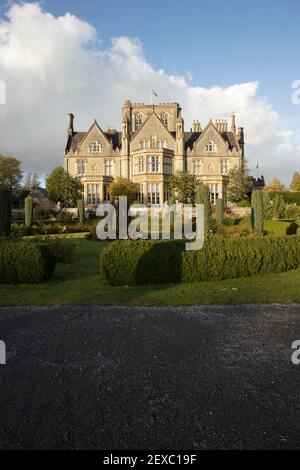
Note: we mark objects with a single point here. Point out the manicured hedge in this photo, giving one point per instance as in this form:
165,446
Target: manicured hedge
128,262
289,197
23,262
50,228
148,262
226,258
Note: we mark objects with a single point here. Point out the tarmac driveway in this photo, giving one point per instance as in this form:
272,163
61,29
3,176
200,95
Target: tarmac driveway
215,377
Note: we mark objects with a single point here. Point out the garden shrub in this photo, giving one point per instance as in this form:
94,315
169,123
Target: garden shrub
257,210
155,262
289,197
62,248
292,212
5,212
292,229
243,203
128,262
51,228
219,211
229,221
203,197
223,258
23,262
278,206
28,211
81,214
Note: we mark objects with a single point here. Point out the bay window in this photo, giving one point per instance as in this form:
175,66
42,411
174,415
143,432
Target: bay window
153,164
153,193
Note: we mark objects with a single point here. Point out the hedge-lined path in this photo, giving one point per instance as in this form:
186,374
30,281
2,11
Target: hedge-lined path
156,378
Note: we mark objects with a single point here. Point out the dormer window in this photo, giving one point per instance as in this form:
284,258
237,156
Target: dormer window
164,119
211,147
138,121
95,147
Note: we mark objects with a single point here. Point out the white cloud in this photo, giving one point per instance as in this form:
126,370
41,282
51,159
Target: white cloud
52,66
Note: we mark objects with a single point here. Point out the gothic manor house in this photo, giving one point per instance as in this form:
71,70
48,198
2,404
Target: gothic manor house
152,146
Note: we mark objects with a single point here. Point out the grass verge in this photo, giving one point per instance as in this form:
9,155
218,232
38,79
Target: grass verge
81,283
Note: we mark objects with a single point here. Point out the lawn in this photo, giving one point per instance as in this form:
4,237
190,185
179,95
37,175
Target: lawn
81,283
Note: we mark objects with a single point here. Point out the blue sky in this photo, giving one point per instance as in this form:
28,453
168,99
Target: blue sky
86,57
219,43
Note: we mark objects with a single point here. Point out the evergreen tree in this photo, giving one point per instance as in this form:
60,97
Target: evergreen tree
28,211
5,211
203,197
220,211
257,210
278,207
81,215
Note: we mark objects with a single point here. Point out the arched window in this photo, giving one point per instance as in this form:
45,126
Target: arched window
138,121
211,147
164,119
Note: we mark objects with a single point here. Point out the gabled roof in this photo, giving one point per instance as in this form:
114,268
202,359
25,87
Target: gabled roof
231,139
145,122
190,138
95,124
78,137
228,137
115,138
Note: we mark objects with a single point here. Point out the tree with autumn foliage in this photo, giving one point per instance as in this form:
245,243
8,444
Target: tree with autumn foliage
123,187
275,186
295,184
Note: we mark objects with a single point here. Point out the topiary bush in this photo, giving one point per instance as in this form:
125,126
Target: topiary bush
62,248
219,212
257,210
5,212
203,197
28,211
128,262
23,262
226,258
278,206
155,262
81,215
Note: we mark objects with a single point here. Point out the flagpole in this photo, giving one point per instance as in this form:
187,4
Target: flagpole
151,97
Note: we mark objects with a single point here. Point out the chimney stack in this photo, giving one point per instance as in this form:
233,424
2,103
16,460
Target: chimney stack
196,126
241,139
221,125
233,128
70,126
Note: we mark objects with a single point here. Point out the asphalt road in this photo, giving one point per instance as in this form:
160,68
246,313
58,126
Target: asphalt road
138,378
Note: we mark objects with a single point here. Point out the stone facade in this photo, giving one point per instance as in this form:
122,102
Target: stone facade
151,147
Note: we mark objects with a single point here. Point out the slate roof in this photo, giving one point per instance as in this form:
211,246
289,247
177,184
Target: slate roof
74,140
116,138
